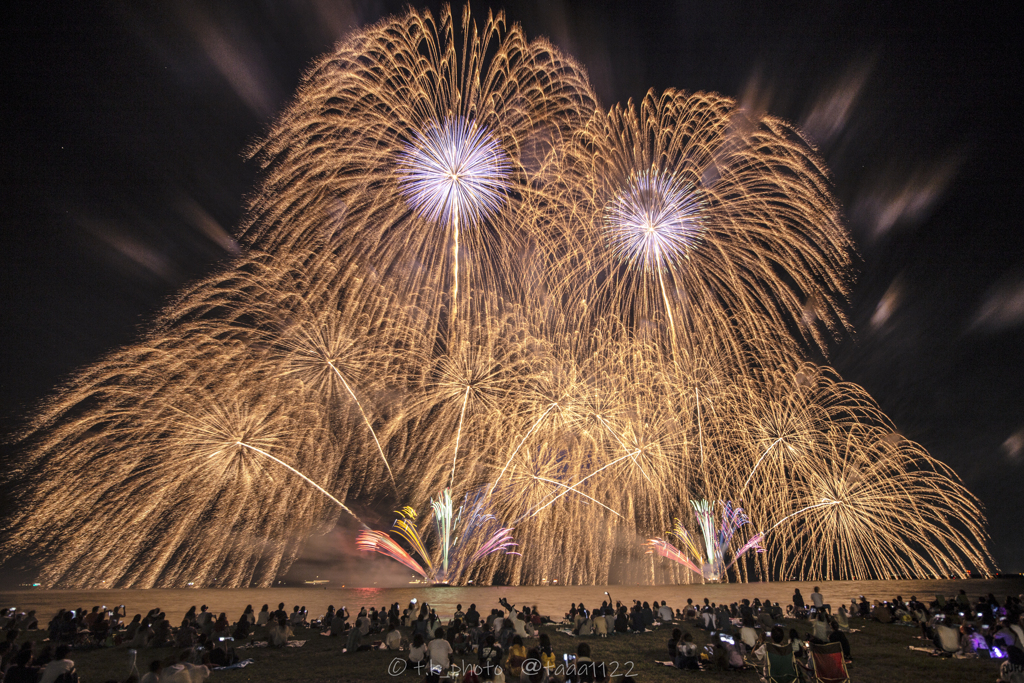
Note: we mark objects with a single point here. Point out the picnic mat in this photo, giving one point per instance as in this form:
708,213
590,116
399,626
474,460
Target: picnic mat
238,665
263,643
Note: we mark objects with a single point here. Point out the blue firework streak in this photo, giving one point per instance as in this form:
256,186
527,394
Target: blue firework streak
454,172
655,220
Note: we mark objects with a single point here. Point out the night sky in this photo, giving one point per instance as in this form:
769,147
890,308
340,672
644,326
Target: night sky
123,179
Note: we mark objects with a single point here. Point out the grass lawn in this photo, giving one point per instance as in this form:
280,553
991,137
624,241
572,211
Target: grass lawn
880,653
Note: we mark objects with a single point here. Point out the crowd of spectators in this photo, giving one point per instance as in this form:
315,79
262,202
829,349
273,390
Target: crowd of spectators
507,642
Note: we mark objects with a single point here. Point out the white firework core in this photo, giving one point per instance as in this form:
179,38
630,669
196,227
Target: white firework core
454,172
655,219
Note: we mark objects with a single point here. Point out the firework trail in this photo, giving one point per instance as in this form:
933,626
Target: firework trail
463,275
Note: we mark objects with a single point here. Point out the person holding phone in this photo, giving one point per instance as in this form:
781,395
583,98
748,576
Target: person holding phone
726,657
568,667
584,669
116,616
339,622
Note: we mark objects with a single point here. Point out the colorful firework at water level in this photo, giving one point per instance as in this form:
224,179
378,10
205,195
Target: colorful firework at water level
456,546
716,544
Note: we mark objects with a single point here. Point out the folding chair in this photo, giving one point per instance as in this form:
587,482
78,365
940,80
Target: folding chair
781,667
829,663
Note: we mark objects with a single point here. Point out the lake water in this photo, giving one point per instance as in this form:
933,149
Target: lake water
551,600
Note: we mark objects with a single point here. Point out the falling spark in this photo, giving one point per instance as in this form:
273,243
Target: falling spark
306,479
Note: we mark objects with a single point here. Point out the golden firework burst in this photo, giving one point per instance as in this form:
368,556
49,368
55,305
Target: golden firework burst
463,275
